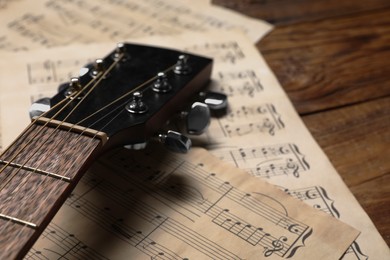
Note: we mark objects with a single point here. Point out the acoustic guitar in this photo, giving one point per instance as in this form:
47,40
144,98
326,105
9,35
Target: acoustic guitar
123,99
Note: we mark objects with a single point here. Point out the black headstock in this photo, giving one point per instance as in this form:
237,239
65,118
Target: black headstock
131,93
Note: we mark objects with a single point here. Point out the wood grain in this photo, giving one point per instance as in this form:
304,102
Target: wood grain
356,139
280,12
53,150
333,59
332,63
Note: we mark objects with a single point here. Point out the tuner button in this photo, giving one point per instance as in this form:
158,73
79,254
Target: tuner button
161,85
198,118
176,142
217,102
182,67
39,107
137,106
84,71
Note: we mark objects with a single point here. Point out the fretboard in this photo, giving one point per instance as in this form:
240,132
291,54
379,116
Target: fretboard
38,172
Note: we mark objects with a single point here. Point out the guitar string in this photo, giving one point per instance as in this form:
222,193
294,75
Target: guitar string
70,97
29,127
106,115
96,81
35,119
91,140
30,174
100,119
123,96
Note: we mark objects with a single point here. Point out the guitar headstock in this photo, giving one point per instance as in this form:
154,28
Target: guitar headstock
132,93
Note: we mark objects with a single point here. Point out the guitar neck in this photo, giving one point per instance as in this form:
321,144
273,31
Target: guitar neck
37,173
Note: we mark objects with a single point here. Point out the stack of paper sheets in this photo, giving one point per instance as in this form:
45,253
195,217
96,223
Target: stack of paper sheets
193,206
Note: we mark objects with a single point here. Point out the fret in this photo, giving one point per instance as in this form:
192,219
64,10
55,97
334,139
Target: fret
24,167
12,235
37,192
71,127
35,183
42,166
19,221
55,155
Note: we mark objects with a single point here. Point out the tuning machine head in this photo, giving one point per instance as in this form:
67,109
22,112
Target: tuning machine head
217,102
74,87
197,118
182,67
120,53
133,104
175,141
94,70
39,107
137,105
161,84
172,140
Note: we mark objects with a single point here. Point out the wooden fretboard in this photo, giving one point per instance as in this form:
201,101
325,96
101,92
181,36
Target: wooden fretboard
35,183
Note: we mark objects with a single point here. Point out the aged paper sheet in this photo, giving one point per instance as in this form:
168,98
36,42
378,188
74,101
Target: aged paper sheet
25,25
262,133
156,205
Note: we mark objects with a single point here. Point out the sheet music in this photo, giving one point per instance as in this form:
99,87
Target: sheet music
27,25
185,207
278,147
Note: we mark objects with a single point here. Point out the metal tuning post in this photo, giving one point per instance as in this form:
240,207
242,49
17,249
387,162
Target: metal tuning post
137,105
120,51
98,67
74,87
197,118
182,67
175,142
161,85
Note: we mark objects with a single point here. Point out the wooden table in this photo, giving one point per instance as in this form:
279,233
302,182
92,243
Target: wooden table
333,59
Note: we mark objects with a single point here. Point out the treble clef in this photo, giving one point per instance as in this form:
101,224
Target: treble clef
278,245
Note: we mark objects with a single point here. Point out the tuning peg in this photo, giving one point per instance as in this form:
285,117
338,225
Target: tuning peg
120,51
74,87
137,105
97,67
197,118
161,85
39,107
176,142
217,102
182,67
76,84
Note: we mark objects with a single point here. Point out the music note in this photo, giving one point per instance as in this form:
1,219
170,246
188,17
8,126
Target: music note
245,83
188,225
277,246
60,243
